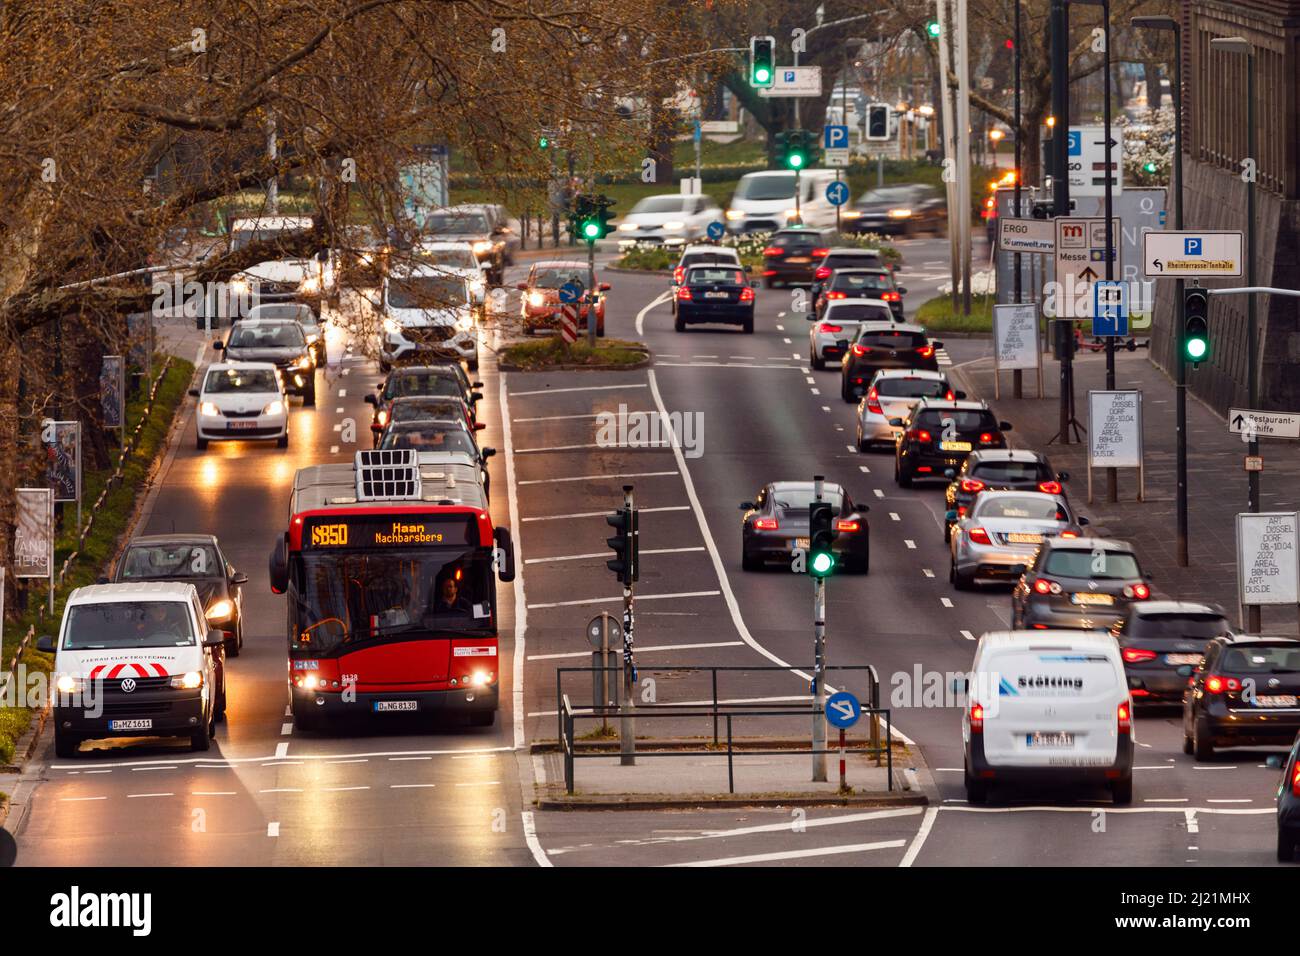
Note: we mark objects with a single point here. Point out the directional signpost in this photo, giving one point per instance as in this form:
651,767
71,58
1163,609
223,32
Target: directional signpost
1026,235
837,194
1253,424
835,145
1080,262
842,712
1088,163
1110,309
795,81
1191,254
569,293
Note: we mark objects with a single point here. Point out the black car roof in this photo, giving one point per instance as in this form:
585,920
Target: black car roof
1175,607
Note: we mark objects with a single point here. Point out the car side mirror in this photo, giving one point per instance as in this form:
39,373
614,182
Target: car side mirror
810,316
192,393
950,515
937,345
214,638
896,422
219,345
605,287
371,400
45,644
902,290
479,426
279,566
1005,426
475,384
959,395
1082,522
238,578
487,452
747,506
102,580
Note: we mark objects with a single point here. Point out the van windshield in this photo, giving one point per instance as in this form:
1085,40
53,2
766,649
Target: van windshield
128,624
761,188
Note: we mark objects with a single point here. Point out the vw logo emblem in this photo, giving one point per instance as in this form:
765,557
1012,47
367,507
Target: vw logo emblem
1273,682
128,685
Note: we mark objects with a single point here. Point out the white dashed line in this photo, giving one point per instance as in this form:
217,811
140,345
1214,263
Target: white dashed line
853,449
212,793
864,469
927,572
135,796
334,449
286,729
815,391
968,635
81,799
893,516
281,790
946,602
411,786
341,789
282,749
878,492
911,545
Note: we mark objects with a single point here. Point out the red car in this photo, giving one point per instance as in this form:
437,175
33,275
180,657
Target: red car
541,296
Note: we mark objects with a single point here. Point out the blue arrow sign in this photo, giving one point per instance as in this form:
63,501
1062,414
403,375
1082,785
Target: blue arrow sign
698,131
569,292
715,230
837,193
835,137
1110,309
842,710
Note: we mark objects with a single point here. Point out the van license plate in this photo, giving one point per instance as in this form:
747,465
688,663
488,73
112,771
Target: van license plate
1088,597
1177,660
382,706
130,725
1049,740
1277,700
954,446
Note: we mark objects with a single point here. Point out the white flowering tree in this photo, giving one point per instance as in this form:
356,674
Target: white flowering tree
1148,147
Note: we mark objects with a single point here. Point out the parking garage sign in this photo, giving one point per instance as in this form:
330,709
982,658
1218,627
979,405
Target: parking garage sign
1267,568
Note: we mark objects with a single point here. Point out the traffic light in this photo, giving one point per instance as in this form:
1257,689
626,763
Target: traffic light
1196,326
762,62
821,537
543,142
1149,167
1042,209
625,545
932,29
590,216
878,121
792,147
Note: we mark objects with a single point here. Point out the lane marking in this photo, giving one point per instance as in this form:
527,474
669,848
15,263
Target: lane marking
946,602
601,514
561,391
341,789
282,749
481,783
334,449
411,786
918,841
657,647
532,451
640,316
911,546
639,597
520,604
864,469
1168,800
410,758
286,729
794,854
145,769
815,391
968,635
893,516
1192,826
332,758
1232,800
135,796
927,572
561,418
632,474
281,790
878,493
530,838
80,799
605,554
779,827
853,449
212,793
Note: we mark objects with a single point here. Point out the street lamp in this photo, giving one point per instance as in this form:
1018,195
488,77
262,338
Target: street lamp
1241,45
1180,392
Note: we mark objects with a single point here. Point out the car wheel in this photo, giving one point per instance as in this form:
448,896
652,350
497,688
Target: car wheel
845,392
1121,791
600,330
904,478
232,647
482,718
1187,745
221,709
201,741
769,283
748,326
66,745
977,791
749,563
947,532
309,397
529,330
1202,745
1285,847
201,443
679,325
817,363
282,441
962,582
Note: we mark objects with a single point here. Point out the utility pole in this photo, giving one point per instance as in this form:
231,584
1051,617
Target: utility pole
952,188
819,656
962,39
272,153
1060,30
626,548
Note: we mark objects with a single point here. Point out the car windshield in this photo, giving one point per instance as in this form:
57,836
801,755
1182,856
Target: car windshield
224,381
431,436
890,194
1011,471
1182,624
708,258
962,419
854,281
765,187
554,278
911,388
1029,507
715,275
289,311
455,223
423,383
891,339
170,562
454,257
347,598
798,499
246,237
408,411
266,335
1099,565
660,204
128,624
427,292
1261,659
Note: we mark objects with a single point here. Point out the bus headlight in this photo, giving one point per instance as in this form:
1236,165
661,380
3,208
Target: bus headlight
188,681
480,678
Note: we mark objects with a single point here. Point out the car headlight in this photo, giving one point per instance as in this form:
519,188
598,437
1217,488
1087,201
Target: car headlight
382,417
207,408
221,610
303,362
312,337
274,408
238,285
391,326
478,285
674,226
309,285
536,299
900,213
67,684
734,214
187,681
851,214
628,227
791,213
482,246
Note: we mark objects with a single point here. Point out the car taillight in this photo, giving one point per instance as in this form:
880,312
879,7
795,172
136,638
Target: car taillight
873,402
821,253
684,293
822,272
679,274
861,349
1137,592
773,251
1124,715
1050,487
925,351
1295,780
827,328
1136,655
971,485
979,536
918,434
1217,685
1069,534
950,395
746,295
765,524
1044,586
986,438
890,296
835,295
976,718
843,525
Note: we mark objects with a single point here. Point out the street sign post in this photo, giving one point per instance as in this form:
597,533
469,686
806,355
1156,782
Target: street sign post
842,712
1115,434
1110,309
1268,571
795,81
1252,423
1027,235
1080,262
1015,342
715,230
1175,254
835,145
1088,164
837,193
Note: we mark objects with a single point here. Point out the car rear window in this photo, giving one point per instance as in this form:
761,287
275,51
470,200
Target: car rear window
892,339
799,499
849,281
853,312
850,260
1182,624
704,258
1028,507
964,420
719,275
1011,471
1261,659
911,388
1107,565
800,239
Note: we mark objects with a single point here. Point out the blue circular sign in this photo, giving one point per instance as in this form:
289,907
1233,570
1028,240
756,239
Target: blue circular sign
837,193
842,710
716,230
569,292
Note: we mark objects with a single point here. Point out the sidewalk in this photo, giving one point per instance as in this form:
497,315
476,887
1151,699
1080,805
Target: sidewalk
1216,479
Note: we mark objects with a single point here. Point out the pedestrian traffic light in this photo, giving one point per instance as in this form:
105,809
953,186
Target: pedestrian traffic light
821,538
625,545
1196,325
762,61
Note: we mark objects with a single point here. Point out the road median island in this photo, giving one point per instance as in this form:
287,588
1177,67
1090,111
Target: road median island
552,354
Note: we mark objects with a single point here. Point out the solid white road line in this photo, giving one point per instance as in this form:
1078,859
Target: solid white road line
634,474
601,514
784,827
640,316
560,391
793,854
530,451
641,650
918,841
521,606
530,838
561,418
639,597
605,554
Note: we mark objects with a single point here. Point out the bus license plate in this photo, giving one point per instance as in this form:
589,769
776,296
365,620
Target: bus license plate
1049,740
384,706
1277,700
130,725
954,446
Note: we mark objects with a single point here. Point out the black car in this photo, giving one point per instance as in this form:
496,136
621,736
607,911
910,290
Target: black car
1288,807
938,435
1162,643
792,255
411,408
845,257
875,284
191,559
999,469
448,436
280,342
1079,584
878,345
898,210
1244,693
445,380
776,524
714,293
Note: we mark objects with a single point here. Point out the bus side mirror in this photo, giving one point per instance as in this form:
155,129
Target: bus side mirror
505,554
279,566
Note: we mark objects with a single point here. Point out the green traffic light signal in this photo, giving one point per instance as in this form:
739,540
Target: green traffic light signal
762,74
762,61
932,29
1148,167
1197,349
543,142
1196,325
591,230
823,562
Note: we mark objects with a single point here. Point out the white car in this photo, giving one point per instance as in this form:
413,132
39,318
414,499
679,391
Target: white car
455,258
891,395
704,255
286,280
764,201
426,313
671,220
241,401
829,338
1048,707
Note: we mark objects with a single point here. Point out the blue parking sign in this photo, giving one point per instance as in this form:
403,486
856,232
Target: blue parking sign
837,193
842,710
835,137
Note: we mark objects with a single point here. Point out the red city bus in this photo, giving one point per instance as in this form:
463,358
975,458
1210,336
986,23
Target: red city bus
390,566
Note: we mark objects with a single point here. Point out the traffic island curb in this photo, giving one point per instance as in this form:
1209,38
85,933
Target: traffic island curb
707,800
26,745
647,359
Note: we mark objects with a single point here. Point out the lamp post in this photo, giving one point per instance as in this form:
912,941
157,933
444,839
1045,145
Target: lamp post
1017,376
1180,392
1240,45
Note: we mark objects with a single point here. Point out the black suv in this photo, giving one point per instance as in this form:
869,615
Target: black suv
1244,693
1078,583
280,341
998,469
875,284
1163,642
792,255
939,434
880,345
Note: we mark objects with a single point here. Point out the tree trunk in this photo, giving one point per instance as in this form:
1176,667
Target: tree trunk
1155,91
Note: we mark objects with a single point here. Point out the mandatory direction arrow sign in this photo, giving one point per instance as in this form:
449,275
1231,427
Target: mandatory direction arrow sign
1249,421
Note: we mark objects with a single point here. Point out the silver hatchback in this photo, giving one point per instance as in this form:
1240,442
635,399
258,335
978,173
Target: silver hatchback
892,393
999,535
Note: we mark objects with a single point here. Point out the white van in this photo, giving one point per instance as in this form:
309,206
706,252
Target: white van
135,660
428,312
764,202
1046,706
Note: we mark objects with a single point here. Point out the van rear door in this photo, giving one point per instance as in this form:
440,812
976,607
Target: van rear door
1050,704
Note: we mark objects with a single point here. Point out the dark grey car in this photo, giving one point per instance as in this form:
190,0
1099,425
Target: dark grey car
1078,583
776,524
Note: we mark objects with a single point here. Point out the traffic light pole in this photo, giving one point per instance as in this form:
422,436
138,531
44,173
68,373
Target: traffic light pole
1180,392
1017,376
1060,29
1112,474
819,662
591,293
627,723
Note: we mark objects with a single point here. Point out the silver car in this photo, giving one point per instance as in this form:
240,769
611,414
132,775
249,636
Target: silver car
892,393
830,336
999,535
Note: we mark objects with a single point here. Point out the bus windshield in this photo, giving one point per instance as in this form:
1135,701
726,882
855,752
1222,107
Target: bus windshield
345,598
